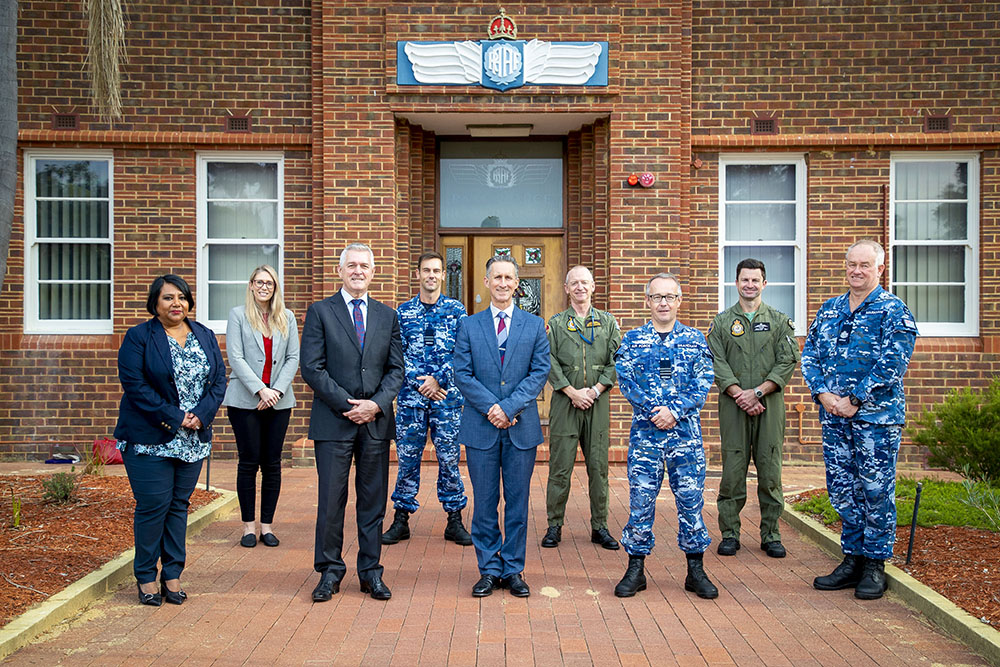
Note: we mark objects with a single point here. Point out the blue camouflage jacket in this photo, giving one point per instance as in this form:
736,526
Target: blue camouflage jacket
419,326
676,372
863,354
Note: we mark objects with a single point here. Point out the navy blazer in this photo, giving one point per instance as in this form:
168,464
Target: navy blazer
150,412
515,387
337,369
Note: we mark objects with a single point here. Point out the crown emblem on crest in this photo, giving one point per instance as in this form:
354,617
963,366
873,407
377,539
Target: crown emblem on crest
502,27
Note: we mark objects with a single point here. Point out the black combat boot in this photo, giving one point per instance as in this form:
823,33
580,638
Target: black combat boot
455,531
873,583
697,581
634,579
846,575
399,530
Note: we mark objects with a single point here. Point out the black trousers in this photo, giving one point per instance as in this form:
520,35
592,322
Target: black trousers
260,437
371,486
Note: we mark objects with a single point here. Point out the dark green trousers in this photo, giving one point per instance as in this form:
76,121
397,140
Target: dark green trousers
567,427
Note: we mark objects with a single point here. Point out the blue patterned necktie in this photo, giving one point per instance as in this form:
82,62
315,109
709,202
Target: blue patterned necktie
359,322
502,334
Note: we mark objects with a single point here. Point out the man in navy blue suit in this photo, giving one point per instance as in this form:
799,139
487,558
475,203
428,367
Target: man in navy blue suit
501,364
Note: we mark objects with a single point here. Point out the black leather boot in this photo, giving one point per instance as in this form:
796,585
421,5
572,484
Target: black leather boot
455,531
634,579
399,530
846,575
697,581
873,583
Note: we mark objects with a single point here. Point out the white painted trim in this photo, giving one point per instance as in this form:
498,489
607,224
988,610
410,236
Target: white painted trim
32,323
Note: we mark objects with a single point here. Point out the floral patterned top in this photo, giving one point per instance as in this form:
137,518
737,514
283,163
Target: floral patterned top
191,369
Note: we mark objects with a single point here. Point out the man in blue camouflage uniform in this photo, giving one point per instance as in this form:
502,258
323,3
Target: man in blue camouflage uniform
665,371
854,359
429,398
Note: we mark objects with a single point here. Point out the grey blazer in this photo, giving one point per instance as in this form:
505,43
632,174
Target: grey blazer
245,353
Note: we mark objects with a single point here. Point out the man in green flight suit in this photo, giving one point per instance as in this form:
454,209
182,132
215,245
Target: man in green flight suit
755,353
582,342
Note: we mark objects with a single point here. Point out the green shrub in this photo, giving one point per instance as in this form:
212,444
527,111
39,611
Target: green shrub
963,432
819,505
61,487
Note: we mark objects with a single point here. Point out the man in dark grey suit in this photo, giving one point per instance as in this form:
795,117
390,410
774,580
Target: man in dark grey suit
352,357
501,364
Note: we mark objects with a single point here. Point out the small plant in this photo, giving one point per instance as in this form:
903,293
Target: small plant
60,488
963,433
984,496
819,505
93,463
15,510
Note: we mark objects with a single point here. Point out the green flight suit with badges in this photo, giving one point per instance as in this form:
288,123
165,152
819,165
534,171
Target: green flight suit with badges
583,354
748,352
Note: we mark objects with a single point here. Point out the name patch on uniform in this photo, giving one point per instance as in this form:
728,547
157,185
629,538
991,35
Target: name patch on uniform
761,326
737,328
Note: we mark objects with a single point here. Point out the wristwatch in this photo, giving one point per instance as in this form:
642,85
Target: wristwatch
758,393
855,401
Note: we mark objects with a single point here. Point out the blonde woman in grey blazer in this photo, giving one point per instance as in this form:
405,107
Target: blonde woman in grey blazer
262,345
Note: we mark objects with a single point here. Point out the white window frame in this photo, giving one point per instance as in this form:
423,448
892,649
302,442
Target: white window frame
202,299
970,327
33,324
798,244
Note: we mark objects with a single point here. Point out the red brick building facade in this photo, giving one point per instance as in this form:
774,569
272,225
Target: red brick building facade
828,123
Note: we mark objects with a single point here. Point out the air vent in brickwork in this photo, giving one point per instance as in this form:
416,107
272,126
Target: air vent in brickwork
237,123
65,121
763,126
937,123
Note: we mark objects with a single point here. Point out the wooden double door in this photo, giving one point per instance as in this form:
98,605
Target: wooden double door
541,260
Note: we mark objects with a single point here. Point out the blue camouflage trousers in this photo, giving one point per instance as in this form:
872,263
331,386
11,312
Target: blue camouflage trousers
861,481
649,452
412,425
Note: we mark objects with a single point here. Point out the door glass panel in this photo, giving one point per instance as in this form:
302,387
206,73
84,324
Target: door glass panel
501,184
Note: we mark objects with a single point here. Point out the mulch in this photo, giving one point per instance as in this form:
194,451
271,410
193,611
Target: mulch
962,564
57,544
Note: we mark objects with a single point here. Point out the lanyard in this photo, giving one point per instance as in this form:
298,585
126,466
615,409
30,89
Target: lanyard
590,323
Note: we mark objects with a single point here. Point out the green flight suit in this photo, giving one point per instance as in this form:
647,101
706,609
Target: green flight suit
746,354
579,363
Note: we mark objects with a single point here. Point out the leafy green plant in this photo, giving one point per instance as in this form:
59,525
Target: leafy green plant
819,506
984,496
15,509
963,432
61,487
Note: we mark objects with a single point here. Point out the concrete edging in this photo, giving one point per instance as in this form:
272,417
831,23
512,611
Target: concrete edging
94,586
939,610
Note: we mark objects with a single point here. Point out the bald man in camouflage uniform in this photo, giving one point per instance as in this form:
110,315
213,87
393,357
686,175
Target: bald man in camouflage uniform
857,351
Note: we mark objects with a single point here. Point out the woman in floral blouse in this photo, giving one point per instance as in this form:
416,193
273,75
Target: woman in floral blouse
173,378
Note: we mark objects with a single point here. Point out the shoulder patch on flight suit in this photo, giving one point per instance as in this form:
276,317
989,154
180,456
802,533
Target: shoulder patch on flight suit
791,324
761,326
710,326
737,328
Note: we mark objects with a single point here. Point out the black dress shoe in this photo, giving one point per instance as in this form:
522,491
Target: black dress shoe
249,541
603,537
773,549
327,587
151,599
729,546
172,597
269,540
485,586
553,536
518,587
376,588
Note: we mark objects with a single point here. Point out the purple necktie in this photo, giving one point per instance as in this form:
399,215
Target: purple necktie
502,334
359,322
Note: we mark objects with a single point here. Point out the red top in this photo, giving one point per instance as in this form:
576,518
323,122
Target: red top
265,376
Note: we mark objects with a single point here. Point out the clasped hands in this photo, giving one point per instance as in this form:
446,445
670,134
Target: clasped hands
430,388
191,421
747,401
840,406
498,417
581,398
268,398
663,418
364,410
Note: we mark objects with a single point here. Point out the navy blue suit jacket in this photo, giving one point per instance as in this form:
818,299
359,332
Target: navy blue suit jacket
515,387
149,413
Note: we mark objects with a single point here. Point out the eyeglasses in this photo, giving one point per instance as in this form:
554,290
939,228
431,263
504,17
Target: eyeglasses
660,298
264,283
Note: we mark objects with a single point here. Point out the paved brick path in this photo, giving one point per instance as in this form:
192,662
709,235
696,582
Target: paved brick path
252,606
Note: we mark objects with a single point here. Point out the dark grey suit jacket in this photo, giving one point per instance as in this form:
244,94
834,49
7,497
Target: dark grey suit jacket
336,368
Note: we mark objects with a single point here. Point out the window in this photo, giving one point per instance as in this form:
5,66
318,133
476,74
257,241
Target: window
67,235
240,211
934,240
762,214
501,184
